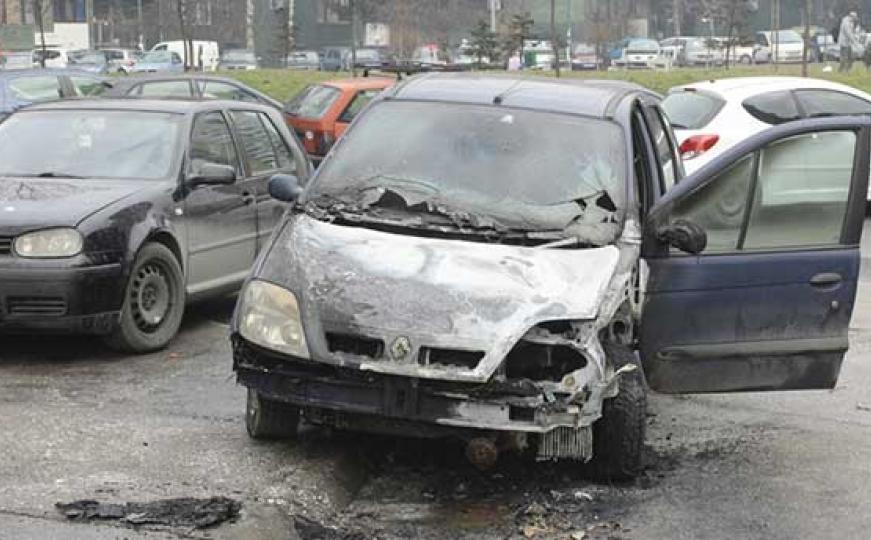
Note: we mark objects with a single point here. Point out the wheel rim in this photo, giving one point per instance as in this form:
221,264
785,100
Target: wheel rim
151,296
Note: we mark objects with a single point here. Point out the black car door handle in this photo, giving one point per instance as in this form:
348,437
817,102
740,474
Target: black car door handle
247,198
825,279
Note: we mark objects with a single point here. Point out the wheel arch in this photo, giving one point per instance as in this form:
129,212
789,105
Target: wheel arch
168,241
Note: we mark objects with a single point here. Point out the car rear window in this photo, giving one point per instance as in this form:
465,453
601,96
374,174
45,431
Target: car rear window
313,102
773,107
689,109
831,103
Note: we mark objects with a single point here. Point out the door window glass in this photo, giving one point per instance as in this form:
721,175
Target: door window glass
665,154
773,107
282,152
86,86
804,185
211,142
256,142
166,89
40,88
360,100
221,90
831,103
719,206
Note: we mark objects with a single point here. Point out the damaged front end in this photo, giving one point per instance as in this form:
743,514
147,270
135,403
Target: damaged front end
432,337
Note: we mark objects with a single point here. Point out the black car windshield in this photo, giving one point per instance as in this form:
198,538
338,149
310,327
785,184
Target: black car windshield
514,169
90,144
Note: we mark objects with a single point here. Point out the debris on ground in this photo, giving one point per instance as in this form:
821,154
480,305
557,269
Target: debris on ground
182,512
309,529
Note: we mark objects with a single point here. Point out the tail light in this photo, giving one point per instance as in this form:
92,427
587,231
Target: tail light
697,145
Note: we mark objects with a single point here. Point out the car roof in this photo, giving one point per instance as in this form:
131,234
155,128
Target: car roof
361,83
742,87
177,106
588,97
40,71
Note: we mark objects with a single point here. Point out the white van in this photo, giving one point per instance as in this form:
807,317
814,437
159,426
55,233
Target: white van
788,44
204,51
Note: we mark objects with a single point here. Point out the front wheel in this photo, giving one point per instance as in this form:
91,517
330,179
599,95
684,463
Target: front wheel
267,419
153,305
618,436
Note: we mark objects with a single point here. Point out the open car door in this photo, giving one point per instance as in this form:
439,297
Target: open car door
754,262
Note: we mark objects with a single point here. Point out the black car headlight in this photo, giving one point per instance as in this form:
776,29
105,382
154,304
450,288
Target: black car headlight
269,316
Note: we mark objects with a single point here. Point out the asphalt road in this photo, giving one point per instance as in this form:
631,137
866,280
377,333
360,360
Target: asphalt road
78,422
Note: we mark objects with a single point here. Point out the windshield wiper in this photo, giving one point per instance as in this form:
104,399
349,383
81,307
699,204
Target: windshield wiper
53,174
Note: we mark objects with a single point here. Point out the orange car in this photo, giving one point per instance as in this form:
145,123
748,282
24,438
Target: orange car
321,113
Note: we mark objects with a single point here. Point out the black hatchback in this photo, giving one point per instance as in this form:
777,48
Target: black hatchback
114,213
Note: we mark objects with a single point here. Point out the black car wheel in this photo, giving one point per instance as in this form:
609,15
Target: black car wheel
267,419
153,302
618,436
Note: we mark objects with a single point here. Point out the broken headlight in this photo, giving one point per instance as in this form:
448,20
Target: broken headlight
269,317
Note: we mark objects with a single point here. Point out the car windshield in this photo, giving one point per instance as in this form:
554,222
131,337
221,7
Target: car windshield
368,54
505,169
786,36
156,57
313,102
643,45
239,56
90,144
691,110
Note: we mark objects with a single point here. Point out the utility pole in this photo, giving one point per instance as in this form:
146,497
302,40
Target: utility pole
492,14
775,13
353,38
139,25
553,38
675,15
807,37
89,17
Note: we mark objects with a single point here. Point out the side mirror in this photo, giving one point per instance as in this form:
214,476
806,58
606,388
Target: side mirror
685,235
211,173
285,187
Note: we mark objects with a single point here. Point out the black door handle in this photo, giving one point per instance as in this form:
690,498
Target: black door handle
247,198
825,279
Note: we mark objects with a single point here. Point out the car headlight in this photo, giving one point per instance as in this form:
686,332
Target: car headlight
49,244
269,316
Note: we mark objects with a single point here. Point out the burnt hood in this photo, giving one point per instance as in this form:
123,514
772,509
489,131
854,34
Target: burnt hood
33,203
433,293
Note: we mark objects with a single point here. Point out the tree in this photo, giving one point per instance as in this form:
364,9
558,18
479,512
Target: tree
519,30
39,17
188,43
483,42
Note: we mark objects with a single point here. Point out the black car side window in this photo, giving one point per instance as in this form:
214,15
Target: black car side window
256,143
818,103
211,142
282,152
773,107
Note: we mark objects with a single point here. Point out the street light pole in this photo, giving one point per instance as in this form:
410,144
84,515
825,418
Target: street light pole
492,15
139,24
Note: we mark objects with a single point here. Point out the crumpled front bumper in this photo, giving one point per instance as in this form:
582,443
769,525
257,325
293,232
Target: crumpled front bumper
514,407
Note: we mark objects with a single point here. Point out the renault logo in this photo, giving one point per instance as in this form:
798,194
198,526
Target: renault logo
400,348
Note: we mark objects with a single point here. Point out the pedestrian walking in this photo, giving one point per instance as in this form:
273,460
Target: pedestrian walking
848,40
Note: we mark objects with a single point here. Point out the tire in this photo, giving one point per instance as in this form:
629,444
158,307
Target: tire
267,419
154,300
618,437
746,60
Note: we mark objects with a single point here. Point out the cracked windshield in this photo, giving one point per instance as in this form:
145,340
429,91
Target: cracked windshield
435,269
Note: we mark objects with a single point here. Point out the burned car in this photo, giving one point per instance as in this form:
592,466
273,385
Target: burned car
520,259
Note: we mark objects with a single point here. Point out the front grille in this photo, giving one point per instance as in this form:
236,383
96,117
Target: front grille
449,357
5,245
356,345
32,306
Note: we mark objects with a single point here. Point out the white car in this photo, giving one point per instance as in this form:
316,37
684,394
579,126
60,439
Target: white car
709,117
787,46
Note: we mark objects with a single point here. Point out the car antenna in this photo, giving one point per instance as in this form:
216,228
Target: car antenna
500,97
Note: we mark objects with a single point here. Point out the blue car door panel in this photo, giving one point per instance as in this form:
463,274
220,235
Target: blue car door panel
767,305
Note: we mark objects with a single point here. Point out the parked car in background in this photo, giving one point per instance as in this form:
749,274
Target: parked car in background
121,60
158,62
368,58
788,44
448,281
335,59
118,212
89,61
710,117
55,57
824,48
234,59
635,53
585,57
701,51
742,50
205,55
304,61
11,60
321,113
19,88
190,86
